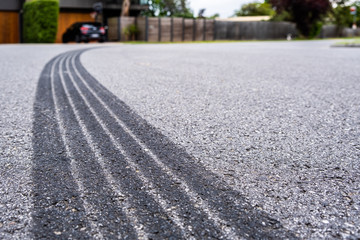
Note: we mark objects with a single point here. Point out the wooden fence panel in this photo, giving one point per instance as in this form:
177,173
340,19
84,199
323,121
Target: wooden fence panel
253,30
209,29
177,29
153,29
188,28
165,30
141,23
124,23
9,27
199,33
113,31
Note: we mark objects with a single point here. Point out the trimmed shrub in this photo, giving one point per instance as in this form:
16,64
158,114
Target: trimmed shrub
40,21
315,29
131,31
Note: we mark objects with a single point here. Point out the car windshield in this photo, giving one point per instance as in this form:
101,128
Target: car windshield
89,25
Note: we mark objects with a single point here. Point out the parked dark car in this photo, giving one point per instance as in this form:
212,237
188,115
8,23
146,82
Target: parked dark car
84,32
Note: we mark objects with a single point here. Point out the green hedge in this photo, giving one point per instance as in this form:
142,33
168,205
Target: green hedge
40,21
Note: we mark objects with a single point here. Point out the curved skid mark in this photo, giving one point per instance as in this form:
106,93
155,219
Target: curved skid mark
123,177
91,141
196,200
74,170
108,180
99,200
225,201
157,196
58,206
141,234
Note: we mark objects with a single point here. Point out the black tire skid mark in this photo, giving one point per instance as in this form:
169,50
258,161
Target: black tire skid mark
149,213
166,186
249,222
58,211
55,194
111,218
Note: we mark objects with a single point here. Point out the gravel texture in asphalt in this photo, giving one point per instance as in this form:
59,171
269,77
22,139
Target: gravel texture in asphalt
278,121
226,141
101,170
20,69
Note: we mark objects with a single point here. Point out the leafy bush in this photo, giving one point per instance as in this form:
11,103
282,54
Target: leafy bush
131,31
40,21
341,16
255,9
315,30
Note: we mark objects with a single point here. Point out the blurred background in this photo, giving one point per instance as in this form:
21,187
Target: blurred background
45,21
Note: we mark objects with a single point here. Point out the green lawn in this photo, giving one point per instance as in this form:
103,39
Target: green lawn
349,42
186,42
344,41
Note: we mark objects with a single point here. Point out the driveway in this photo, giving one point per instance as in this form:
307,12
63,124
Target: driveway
204,141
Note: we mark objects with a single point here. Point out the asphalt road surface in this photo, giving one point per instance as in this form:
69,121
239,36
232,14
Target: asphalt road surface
180,141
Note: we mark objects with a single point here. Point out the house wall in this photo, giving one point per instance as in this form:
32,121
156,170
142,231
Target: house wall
9,21
66,19
9,27
77,3
10,5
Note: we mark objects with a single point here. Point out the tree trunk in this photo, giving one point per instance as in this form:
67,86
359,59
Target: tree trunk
125,11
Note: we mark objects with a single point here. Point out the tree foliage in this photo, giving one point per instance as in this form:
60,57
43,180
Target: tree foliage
169,8
131,31
340,14
214,16
307,14
255,9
